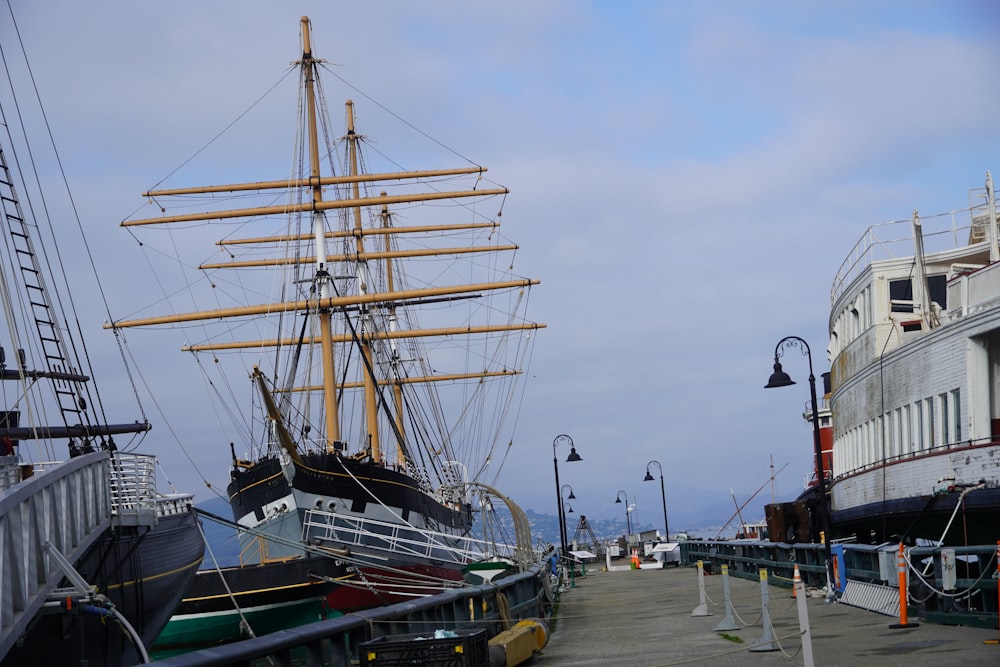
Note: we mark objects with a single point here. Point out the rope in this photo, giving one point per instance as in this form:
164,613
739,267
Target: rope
503,606
244,623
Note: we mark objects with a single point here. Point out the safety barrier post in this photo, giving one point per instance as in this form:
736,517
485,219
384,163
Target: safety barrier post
702,608
800,602
766,641
903,623
996,641
728,623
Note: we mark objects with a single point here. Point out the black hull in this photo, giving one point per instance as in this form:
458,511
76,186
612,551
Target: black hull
334,476
258,585
144,572
905,519
927,517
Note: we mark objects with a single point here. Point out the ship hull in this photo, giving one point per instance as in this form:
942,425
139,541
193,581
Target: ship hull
882,504
270,597
915,390
400,542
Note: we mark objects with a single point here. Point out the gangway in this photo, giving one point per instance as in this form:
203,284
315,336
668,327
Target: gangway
63,507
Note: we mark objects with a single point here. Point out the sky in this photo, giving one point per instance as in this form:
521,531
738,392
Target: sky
685,180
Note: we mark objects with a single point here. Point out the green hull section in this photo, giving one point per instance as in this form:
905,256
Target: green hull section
196,631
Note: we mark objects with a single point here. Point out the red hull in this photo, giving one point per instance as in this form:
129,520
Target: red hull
388,587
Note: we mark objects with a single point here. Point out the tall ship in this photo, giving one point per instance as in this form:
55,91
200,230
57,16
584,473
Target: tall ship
94,558
363,325
915,380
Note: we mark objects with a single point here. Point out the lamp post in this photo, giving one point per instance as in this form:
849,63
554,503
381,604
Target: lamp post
663,495
573,456
565,528
780,378
628,520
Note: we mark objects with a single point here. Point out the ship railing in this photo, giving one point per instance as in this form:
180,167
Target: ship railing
10,472
133,489
402,540
494,607
922,452
893,240
972,290
171,504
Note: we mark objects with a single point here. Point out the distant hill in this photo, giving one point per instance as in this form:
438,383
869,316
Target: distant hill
222,541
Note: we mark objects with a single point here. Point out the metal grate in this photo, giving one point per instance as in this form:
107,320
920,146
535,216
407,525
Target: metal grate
873,597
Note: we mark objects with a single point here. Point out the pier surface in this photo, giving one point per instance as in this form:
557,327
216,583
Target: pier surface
644,618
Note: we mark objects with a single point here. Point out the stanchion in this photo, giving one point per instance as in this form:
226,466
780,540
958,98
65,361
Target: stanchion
800,602
996,641
728,623
702,608
902,594
766,641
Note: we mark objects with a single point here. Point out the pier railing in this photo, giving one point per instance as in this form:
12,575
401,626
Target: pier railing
947,585
335,641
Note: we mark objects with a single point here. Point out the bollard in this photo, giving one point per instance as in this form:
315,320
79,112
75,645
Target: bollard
766,641
902,594
996,641
702,608
800,602
728,623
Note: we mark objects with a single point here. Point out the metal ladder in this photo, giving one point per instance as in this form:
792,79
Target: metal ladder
49,333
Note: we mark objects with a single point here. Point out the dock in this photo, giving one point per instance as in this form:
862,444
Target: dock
644,618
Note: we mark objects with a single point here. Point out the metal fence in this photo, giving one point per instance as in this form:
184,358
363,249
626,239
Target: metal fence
947,585
335,641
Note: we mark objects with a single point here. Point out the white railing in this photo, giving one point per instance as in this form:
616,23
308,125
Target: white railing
133,489
384,537
891,240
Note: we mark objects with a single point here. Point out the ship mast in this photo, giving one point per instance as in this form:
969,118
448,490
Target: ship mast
364,284
323,279
397,385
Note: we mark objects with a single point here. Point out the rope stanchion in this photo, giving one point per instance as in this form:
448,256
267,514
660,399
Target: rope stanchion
766,641
800,602
702,608
728,623
996,641
903,621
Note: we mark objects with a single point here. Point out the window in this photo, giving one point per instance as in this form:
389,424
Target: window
929,412
945,415
901,291
937,290
918,424
956,420
905,426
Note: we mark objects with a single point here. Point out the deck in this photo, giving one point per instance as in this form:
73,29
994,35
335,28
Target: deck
644,617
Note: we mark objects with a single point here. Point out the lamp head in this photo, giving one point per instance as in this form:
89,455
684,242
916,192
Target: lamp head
779,378
571,495
648,477
573,456
618,500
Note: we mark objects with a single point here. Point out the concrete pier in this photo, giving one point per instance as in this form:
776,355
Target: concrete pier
644,617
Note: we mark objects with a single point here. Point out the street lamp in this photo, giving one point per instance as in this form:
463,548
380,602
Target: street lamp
663,495
565,528
780,378
628,520
573,456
